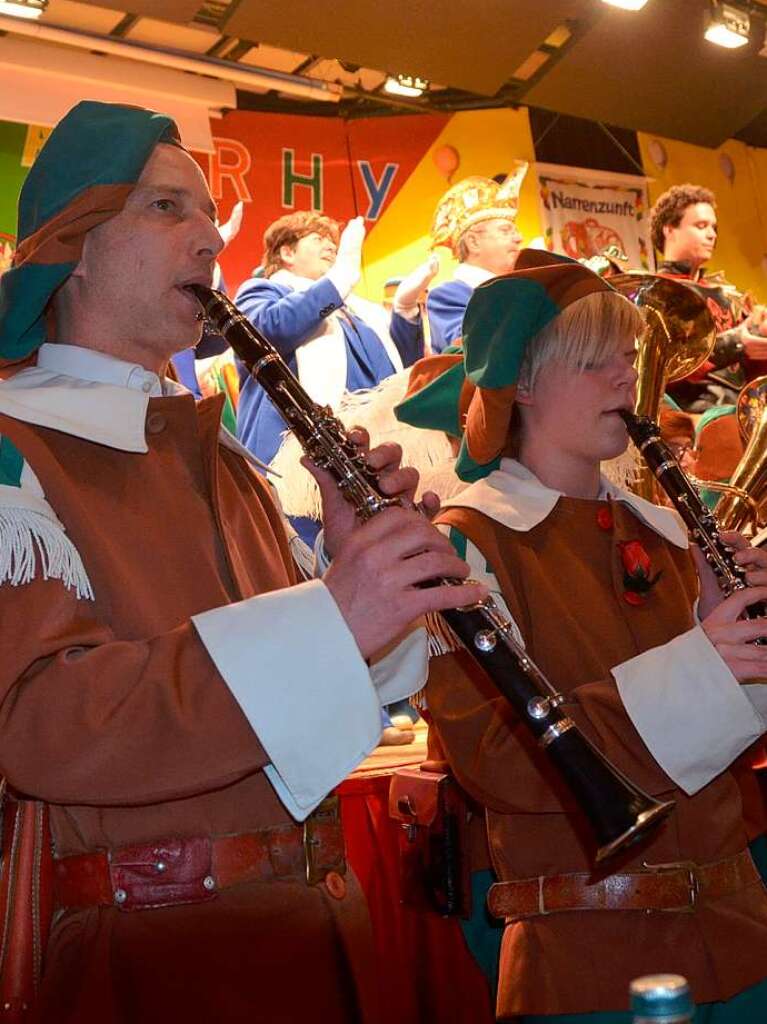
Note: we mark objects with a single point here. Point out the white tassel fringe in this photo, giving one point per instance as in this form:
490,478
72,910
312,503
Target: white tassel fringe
29,539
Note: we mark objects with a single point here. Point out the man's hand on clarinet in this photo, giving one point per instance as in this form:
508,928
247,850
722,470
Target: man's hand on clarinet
377,565
396,481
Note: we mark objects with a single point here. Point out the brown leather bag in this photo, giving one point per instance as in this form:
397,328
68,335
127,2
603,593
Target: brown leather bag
433,841
26,902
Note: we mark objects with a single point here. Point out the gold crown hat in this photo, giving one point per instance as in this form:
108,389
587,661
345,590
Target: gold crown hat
473,200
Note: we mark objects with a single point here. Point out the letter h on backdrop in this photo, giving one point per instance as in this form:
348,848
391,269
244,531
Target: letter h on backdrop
292,179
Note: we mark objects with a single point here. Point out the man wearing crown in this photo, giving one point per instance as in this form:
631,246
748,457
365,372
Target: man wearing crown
476,220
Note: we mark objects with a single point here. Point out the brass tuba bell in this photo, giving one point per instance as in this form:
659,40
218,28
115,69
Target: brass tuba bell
678,337
744,502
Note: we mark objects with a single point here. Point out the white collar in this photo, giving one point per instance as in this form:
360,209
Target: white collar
97,367
86,394
515,497
290,280
472,275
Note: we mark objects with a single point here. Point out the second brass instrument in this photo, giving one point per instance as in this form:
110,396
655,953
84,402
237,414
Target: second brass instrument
619,812
678,336
745,495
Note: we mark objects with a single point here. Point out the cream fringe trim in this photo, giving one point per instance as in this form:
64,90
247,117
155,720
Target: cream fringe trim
29,539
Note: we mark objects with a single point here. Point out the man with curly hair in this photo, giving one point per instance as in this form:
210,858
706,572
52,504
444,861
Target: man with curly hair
683,226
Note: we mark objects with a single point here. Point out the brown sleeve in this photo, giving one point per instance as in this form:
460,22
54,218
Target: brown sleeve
495,757
86,718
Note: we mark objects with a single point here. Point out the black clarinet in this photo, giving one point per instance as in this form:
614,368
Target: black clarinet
697,516
619,812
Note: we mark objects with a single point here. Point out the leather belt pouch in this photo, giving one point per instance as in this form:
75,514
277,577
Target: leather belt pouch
162,874
435,866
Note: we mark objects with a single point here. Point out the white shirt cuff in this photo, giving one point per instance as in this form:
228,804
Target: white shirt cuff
294,668
688,708
403,671
343,279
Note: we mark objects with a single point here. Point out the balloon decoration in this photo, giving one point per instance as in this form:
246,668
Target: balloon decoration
447,160
727,167
658,153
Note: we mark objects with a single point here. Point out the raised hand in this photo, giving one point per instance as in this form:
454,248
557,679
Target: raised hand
410,287
345,272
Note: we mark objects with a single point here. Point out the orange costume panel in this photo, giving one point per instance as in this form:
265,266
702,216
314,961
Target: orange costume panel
114,713
563,583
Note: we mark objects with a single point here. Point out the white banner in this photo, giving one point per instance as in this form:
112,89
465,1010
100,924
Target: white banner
590,213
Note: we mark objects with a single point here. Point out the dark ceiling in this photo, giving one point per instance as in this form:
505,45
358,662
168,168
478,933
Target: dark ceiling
647,71
653,71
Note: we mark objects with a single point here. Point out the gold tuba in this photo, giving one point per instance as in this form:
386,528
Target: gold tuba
678,337
744,501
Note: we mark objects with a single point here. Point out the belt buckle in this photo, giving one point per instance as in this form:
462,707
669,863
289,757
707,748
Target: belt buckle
326,814
693,884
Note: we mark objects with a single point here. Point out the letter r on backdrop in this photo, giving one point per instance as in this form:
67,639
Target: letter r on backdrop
230,159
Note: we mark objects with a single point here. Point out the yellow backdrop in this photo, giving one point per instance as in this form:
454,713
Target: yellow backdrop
741,203
487,142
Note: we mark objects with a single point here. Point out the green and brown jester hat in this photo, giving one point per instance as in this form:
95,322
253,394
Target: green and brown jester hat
469,392
82,177
85,172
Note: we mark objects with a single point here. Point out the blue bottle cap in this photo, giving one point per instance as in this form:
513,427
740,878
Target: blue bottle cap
662,997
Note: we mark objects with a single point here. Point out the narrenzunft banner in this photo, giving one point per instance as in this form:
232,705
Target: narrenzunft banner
590,213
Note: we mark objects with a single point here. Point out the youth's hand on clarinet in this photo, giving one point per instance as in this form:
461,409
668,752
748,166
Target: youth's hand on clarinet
733,636
375,571
753,560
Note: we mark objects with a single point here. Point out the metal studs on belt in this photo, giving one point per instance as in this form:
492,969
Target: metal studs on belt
335,884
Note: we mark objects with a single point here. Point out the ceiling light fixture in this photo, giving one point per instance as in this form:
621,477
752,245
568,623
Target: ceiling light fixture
406,85
626,5
727,26
23,8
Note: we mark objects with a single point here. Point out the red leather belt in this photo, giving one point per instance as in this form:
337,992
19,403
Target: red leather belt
170,871
663,887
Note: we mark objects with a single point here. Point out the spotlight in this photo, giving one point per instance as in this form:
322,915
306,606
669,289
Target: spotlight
406,85
626,5
23,8
727,26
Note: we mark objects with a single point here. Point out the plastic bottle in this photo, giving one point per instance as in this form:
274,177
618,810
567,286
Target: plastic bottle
661,999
